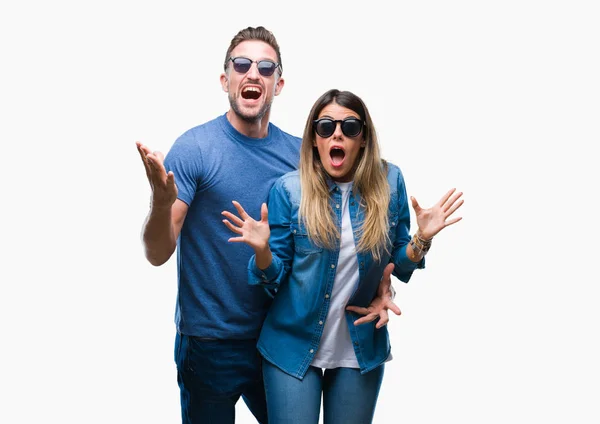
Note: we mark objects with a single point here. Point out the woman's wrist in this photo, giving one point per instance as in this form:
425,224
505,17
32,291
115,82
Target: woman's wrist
419,246
263,257
424,237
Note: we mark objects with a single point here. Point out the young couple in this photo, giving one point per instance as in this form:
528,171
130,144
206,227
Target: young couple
308,280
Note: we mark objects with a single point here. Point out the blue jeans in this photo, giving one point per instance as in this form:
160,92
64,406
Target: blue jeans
213,374
348,396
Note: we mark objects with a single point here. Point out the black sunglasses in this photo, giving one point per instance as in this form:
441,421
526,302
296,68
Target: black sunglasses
266,67
325,127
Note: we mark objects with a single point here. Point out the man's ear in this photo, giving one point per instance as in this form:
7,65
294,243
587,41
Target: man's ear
279,86
224,83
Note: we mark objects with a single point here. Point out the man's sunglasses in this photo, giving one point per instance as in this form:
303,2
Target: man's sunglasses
266,68
325,127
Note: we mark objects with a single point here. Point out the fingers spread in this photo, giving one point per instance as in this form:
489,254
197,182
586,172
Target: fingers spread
453,221
393,307
232,227
358,309
236,240
264,213
415,204
142,152
157,169
451,201
240,209
159,155
387,272
237,221
446,197
365,319
170,179
454,207
383,319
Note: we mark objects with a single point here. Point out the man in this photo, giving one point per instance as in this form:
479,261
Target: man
236,156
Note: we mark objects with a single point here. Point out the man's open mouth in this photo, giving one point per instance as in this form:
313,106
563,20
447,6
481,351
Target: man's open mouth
251,93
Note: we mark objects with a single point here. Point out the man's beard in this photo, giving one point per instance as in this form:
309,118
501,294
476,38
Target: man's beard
251,119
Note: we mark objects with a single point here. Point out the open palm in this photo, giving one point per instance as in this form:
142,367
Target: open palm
431,221
254,233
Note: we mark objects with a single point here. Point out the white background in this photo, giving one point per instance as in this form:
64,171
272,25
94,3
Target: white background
497,99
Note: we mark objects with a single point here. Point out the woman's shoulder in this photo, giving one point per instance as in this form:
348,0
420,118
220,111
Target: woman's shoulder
288,183
393,170
289,178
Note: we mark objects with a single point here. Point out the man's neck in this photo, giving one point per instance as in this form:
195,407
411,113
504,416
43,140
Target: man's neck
257,129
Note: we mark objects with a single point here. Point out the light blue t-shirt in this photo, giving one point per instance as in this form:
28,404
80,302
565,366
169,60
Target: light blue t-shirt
214,164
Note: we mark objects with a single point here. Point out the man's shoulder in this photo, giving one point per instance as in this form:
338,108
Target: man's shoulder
208,126
187,146
194,138
295,139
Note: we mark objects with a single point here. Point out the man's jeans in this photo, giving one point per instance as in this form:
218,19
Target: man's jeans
213,374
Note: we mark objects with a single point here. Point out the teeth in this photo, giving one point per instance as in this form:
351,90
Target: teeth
252,89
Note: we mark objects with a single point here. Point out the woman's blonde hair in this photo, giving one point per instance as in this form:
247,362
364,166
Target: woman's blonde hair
369,179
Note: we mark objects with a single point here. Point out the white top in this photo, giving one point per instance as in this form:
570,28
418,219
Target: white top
335,349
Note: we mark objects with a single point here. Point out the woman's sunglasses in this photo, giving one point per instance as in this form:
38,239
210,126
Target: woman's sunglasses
266,68
325,127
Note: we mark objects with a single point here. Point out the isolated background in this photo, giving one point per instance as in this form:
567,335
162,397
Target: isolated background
497,99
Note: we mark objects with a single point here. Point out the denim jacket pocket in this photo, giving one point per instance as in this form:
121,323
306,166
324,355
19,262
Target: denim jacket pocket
302,243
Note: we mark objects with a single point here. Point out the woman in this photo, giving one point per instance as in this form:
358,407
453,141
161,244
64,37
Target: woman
321,247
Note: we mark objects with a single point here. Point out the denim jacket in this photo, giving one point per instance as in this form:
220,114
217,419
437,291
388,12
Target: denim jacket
302,274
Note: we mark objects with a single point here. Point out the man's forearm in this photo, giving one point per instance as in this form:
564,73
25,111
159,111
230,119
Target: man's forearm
158,236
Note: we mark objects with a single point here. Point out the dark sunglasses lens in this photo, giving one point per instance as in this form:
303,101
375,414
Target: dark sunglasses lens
325,127
241,65
266,68
351,127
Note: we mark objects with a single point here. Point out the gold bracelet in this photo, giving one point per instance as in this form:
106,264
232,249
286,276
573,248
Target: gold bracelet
419,246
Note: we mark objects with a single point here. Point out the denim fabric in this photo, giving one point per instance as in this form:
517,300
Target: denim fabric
213,374
302,275
349,397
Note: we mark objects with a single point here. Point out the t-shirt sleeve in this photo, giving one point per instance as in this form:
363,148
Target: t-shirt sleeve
185,160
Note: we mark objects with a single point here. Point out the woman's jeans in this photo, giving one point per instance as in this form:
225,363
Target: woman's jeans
349,397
